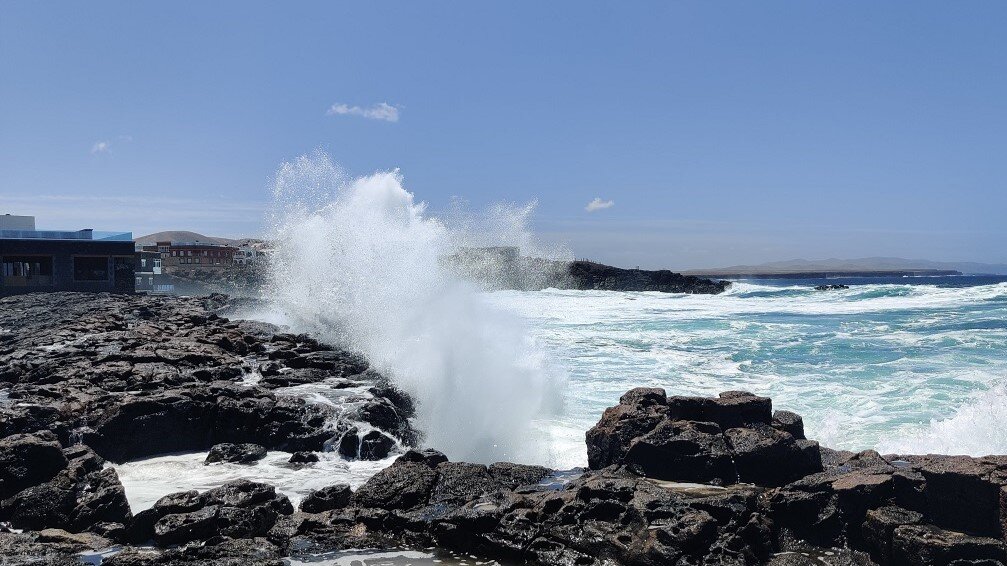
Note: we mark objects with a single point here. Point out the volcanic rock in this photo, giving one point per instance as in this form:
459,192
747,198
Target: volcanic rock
326,499
235,453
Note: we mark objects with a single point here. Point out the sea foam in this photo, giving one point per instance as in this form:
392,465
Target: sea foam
358,261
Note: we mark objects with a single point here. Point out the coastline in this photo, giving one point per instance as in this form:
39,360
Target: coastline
95,379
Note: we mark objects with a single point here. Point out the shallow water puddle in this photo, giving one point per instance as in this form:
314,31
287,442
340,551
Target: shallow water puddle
146,481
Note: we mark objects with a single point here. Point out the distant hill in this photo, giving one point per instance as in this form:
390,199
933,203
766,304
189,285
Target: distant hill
861,265
187,236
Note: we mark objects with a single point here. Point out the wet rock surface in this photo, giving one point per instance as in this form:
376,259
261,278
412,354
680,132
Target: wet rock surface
92,379
237,453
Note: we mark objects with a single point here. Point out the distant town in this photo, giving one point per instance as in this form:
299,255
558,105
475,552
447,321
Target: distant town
33,260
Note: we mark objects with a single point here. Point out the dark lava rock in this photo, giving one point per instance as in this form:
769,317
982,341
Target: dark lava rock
375,445
639,411
403,485
459,482
237,509
730,410
222,552
682,450
349,443
767,456
235,453
790,423
27,460
725,439
303,458
51,547
427,456
135,376
196,418
880,525
82,495
512,476
326,499
929,545
589,275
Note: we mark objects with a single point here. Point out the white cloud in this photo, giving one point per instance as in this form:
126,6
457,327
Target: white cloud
99,147
598,204
380,111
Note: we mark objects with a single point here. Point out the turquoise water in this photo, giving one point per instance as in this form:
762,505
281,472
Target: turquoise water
900,365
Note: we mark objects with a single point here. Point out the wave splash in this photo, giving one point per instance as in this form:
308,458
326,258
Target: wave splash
976,429
357,263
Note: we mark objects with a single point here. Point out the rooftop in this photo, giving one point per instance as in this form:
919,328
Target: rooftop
86,234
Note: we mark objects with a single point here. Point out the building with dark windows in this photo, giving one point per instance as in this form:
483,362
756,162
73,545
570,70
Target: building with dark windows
149,276
51,260
177,256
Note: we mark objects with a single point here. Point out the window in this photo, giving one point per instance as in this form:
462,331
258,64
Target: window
90,268
27,271
157,264
138,280
143,262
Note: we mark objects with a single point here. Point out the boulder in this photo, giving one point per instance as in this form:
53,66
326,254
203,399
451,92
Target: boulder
459,482
237,509
27,460
928,545
235,453
303,458
764,455
403,485
326,499
730,409
349,443
511,476
963,494
375,445
639,411
196,418
683,451
79,497
880,525
790,423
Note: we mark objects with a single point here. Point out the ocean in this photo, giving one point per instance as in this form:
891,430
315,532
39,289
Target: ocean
902,365
908,364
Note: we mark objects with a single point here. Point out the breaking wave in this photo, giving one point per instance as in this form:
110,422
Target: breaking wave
358,261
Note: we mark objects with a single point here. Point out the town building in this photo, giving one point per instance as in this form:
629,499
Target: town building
177,256
34,260
149,276
250,254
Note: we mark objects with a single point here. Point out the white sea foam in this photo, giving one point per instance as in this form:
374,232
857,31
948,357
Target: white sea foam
866,366
977,428
147,480
358,262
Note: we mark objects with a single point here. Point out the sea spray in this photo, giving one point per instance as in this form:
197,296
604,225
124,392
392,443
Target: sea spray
359,262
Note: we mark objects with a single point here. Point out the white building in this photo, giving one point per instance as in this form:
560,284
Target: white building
12,222
249,254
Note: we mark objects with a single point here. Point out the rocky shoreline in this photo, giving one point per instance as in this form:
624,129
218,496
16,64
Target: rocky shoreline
89,380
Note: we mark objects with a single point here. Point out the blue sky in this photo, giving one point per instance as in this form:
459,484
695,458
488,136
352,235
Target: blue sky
723,133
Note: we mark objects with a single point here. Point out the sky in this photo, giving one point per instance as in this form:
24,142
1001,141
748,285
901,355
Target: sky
656,134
